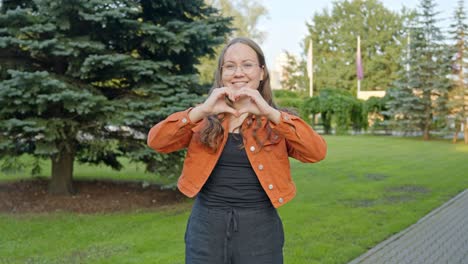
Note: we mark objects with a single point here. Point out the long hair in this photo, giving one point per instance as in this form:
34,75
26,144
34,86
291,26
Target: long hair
212,133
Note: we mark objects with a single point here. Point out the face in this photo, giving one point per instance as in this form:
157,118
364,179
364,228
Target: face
241,67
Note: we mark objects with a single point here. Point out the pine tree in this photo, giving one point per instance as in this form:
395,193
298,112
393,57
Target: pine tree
421,91
86,79
459,95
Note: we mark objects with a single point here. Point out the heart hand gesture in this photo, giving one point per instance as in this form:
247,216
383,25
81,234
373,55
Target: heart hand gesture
246,100
250,101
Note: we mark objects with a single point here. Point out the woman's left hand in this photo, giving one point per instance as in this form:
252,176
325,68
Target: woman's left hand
247,100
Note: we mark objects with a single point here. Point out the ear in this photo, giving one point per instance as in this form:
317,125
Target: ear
262,74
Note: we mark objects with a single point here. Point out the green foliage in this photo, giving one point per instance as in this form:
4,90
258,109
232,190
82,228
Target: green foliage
92,77
280,94
339,107
458,103
291,101
334,34
421,91
377,110
295,74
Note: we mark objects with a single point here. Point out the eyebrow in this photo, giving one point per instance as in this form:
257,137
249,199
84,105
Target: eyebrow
248,60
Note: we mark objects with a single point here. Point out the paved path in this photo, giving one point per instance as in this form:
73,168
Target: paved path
441,237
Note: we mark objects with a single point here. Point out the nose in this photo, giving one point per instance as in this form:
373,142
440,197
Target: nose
238,71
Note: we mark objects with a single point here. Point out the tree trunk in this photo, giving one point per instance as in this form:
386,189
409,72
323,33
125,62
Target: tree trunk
457,130
426,133
466,132
62,174
326,120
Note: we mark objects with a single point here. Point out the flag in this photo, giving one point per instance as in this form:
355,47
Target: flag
309,60
359,71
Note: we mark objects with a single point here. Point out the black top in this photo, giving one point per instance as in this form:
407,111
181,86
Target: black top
233,182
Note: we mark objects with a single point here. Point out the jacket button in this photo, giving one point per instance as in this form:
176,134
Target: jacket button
184,120
286,117
260,167
270,186
252,148
280,200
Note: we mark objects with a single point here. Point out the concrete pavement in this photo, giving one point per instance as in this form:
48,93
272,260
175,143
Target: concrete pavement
441,237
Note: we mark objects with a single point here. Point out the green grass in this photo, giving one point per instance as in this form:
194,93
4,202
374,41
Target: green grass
367,189
130,171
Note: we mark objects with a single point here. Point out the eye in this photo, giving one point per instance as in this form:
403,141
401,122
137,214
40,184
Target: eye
248,65
229,67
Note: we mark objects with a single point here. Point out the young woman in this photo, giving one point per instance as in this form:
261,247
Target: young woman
237,162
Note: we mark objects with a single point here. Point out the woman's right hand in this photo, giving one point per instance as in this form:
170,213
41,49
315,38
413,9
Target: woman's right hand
214,104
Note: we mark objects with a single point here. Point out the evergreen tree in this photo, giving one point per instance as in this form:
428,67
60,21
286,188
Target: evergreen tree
459,95
421,94
86,79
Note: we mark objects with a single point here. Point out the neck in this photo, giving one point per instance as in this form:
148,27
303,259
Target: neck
236,122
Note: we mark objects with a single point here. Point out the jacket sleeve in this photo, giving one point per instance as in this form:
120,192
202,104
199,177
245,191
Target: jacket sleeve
172,134
303,143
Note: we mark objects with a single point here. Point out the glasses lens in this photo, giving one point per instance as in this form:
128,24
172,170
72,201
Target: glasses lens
246,67
229,69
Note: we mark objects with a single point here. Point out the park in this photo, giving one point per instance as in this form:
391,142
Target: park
82,83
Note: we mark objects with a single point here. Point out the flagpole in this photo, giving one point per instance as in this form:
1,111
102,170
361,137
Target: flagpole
358,58
310,68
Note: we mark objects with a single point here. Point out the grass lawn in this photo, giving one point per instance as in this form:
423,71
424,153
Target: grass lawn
367,189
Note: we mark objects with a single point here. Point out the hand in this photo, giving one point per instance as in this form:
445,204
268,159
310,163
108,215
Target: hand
213,105
216,102
247,100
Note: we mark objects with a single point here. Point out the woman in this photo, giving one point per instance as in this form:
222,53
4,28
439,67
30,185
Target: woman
237,162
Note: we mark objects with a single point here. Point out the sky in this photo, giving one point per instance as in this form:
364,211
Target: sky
286,21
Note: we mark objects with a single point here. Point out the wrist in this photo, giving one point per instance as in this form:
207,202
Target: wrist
274,116
197,113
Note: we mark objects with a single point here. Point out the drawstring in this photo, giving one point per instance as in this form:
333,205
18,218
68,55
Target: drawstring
232,217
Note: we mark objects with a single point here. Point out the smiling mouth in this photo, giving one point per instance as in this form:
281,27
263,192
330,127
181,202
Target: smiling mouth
239,84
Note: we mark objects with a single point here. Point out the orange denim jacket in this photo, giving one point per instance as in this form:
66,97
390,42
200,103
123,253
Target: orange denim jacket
292,137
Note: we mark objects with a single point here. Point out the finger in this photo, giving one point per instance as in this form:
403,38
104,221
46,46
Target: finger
231,96
239,95
227,92
243,92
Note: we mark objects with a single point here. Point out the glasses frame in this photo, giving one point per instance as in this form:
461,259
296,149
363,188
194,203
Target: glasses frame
223,71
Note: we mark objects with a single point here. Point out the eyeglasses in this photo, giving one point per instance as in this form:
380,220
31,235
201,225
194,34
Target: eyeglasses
246,67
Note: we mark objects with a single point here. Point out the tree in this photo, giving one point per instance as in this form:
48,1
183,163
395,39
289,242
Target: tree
420,97
294,78
85,80
334,35
459,95
338,107
244,15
